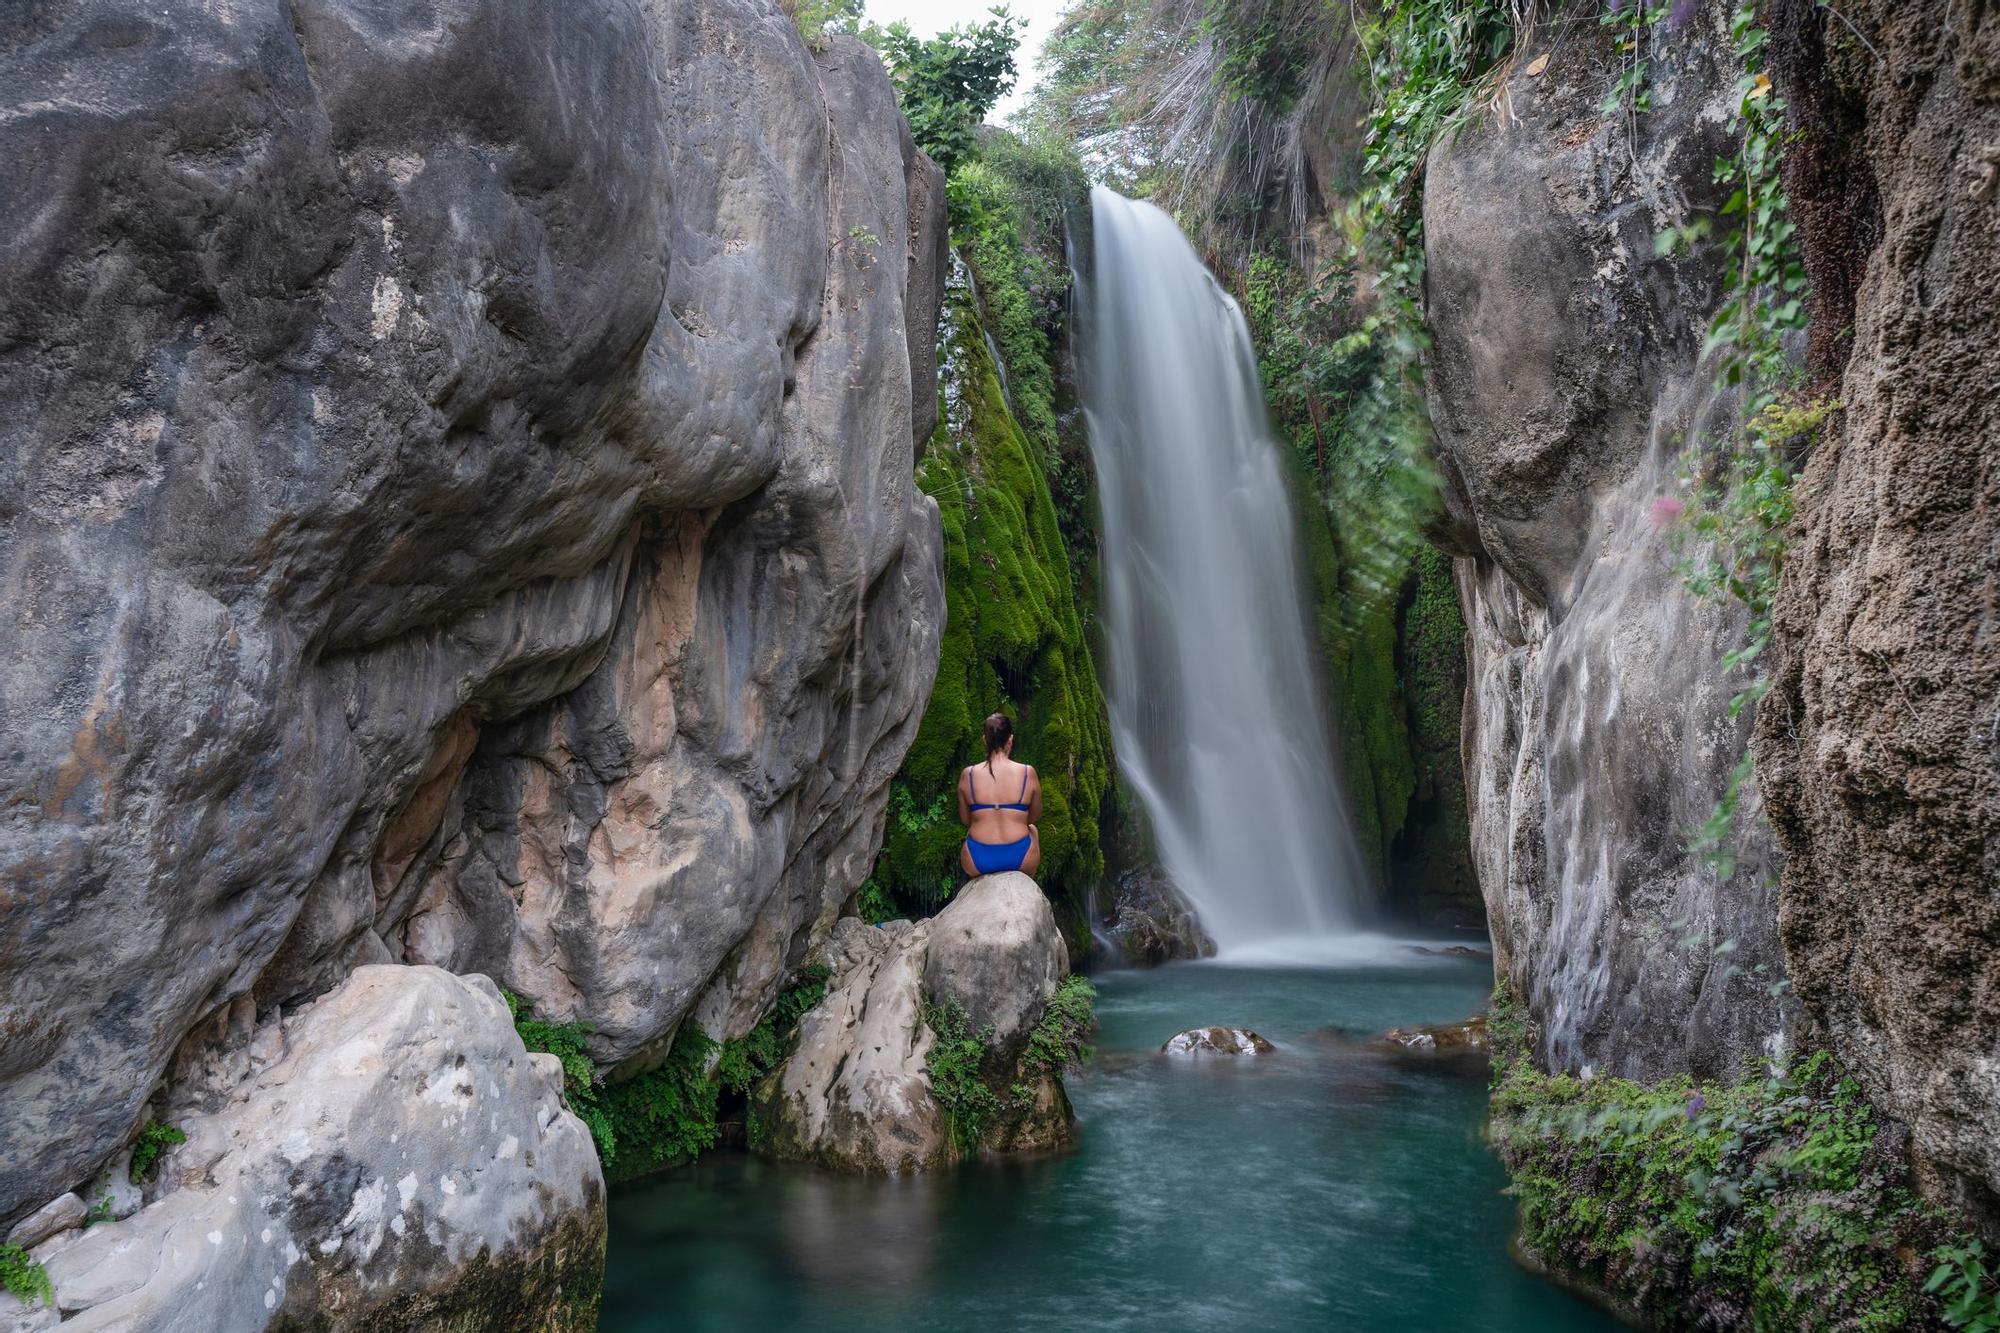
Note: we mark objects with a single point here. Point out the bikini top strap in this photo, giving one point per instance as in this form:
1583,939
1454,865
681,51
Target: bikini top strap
1023,797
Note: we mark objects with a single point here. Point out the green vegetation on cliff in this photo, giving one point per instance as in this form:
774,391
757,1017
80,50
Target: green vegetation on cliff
668,1114
1779,1201
1013,639
23,1278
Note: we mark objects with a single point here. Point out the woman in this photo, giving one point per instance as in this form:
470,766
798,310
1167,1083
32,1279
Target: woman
1000,833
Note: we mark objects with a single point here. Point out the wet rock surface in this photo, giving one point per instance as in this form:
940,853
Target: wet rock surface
1217,1041
447,525
1444,1039
1598,727
1152,923
389,1153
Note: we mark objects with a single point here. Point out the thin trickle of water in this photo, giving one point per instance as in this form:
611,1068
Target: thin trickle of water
1214,698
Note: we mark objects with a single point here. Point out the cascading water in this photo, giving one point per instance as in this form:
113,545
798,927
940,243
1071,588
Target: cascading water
1215,707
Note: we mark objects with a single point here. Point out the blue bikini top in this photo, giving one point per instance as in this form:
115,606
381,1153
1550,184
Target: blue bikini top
1021,804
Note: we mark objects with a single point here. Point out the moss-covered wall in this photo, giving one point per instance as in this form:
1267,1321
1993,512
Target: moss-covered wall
1430,860
1013,641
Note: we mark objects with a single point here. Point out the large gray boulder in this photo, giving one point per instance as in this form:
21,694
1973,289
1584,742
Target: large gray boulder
460,510
996,952
391,1152
1563,382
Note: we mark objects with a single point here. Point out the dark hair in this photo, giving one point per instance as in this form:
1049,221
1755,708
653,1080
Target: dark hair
998,732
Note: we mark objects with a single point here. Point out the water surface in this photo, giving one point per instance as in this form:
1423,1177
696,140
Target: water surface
1319,1188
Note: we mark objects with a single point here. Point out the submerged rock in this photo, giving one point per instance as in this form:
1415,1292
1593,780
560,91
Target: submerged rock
1217,1041
1451,951
1468,1037
394,1155
855,1093
1153,922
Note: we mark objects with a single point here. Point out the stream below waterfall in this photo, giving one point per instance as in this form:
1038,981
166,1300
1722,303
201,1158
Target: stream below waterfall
1323,1187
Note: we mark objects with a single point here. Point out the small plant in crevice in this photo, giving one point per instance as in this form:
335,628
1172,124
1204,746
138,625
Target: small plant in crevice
1059,1041
153,1140
955,1061
24,1279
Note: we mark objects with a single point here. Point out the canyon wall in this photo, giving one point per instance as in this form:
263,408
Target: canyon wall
1862,912
1879,750
460,512
1564,387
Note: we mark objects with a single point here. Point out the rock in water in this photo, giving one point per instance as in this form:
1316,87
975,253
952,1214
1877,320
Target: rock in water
1153,922
1469,1037
855,1093
393,1154
1217,1041
996,951
443,526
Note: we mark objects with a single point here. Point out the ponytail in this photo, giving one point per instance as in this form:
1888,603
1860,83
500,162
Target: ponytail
998,732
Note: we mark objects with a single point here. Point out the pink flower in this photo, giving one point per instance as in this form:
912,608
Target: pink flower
1666,510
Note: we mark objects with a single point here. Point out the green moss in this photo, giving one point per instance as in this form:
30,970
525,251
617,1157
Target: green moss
1773,1202
1059,1041
27,1280
1013,641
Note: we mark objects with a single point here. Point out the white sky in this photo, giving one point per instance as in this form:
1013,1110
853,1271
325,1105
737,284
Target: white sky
927,17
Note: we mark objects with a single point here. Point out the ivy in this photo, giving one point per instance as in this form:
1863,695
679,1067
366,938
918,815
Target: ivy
1059,1040
954,1062
668,1114
1738,486
957,1059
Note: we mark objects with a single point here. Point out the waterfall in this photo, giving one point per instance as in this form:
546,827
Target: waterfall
1215,706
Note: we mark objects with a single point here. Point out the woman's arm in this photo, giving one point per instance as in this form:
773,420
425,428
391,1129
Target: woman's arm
1035,801
964,798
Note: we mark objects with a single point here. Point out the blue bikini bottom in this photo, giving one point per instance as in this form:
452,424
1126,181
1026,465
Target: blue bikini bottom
990,858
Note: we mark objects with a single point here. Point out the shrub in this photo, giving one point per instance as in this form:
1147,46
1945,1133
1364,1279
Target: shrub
955,1060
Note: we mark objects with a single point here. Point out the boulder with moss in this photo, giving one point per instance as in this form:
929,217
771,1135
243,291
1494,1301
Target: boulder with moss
936,1039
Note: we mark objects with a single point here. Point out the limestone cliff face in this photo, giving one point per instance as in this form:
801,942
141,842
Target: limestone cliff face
1880,747
1562,382
459,511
